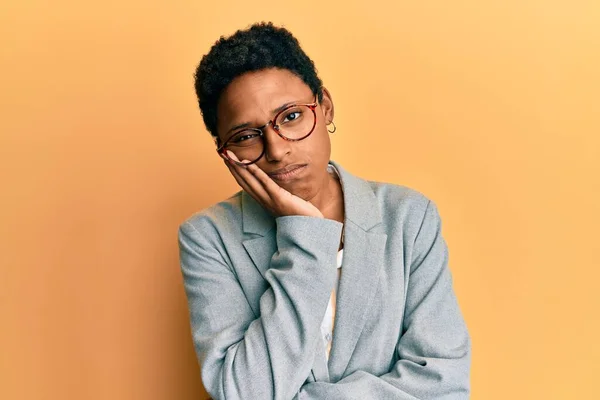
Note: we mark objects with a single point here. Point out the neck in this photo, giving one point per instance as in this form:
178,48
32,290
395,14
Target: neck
330,200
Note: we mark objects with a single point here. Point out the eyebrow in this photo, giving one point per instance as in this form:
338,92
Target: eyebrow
275,111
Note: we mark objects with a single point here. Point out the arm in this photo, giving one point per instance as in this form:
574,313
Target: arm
269,357
434,348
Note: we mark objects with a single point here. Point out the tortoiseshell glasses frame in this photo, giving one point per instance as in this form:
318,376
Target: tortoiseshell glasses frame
221,148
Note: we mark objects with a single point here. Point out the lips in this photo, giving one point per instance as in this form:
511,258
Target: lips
287,173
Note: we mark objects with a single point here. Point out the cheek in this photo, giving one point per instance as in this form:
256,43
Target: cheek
322,144
316,150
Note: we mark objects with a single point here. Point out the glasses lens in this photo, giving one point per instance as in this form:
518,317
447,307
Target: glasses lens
296,122
246,145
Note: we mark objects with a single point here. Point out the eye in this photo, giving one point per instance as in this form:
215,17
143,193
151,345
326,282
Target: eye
292,116
244,136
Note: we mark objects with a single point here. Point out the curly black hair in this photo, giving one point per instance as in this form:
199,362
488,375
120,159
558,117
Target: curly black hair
258,47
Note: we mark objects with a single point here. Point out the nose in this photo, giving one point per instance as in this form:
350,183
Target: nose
276,147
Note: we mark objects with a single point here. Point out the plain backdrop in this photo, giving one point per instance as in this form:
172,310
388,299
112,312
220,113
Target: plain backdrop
490,108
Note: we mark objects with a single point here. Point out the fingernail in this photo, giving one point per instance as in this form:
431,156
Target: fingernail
231,155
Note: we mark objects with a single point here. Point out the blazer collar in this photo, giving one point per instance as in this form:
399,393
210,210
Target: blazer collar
359,204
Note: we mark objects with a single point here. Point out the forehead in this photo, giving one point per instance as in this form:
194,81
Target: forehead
252,97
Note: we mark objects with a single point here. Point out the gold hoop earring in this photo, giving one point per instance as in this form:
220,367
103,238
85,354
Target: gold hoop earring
334,128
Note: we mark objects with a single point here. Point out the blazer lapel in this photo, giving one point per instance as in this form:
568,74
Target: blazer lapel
363,260
260,225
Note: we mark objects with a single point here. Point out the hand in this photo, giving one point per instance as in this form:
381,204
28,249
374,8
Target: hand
269,194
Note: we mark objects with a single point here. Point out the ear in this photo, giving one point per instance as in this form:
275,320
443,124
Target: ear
327,106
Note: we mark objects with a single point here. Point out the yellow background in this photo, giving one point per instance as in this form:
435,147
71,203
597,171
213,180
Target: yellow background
491,108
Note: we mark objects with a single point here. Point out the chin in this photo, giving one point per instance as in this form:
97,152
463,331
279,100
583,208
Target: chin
300,189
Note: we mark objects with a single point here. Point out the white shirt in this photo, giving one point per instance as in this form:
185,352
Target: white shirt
329,319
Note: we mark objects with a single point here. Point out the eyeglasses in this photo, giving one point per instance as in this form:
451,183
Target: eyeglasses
294,123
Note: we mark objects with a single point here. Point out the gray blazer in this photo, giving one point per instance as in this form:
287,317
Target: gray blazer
258,288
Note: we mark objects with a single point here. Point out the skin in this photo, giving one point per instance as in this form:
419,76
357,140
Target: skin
252,98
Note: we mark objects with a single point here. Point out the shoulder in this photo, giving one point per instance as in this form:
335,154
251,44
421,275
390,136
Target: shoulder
399,198
224,216
402,205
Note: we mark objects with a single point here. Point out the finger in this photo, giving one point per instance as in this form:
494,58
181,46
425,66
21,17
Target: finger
249,183
237,176
235,171
269,185
232,155
241,169
249,173
269,192
282,200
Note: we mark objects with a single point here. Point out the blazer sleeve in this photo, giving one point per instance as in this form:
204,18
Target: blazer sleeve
269,357
434,349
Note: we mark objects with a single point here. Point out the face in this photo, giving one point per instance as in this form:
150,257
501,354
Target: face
252,100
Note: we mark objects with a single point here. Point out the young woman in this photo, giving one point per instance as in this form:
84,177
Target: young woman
310,283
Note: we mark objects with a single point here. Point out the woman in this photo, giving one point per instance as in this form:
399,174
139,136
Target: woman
311,283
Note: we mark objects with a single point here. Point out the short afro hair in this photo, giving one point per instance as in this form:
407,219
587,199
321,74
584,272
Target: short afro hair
258,47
